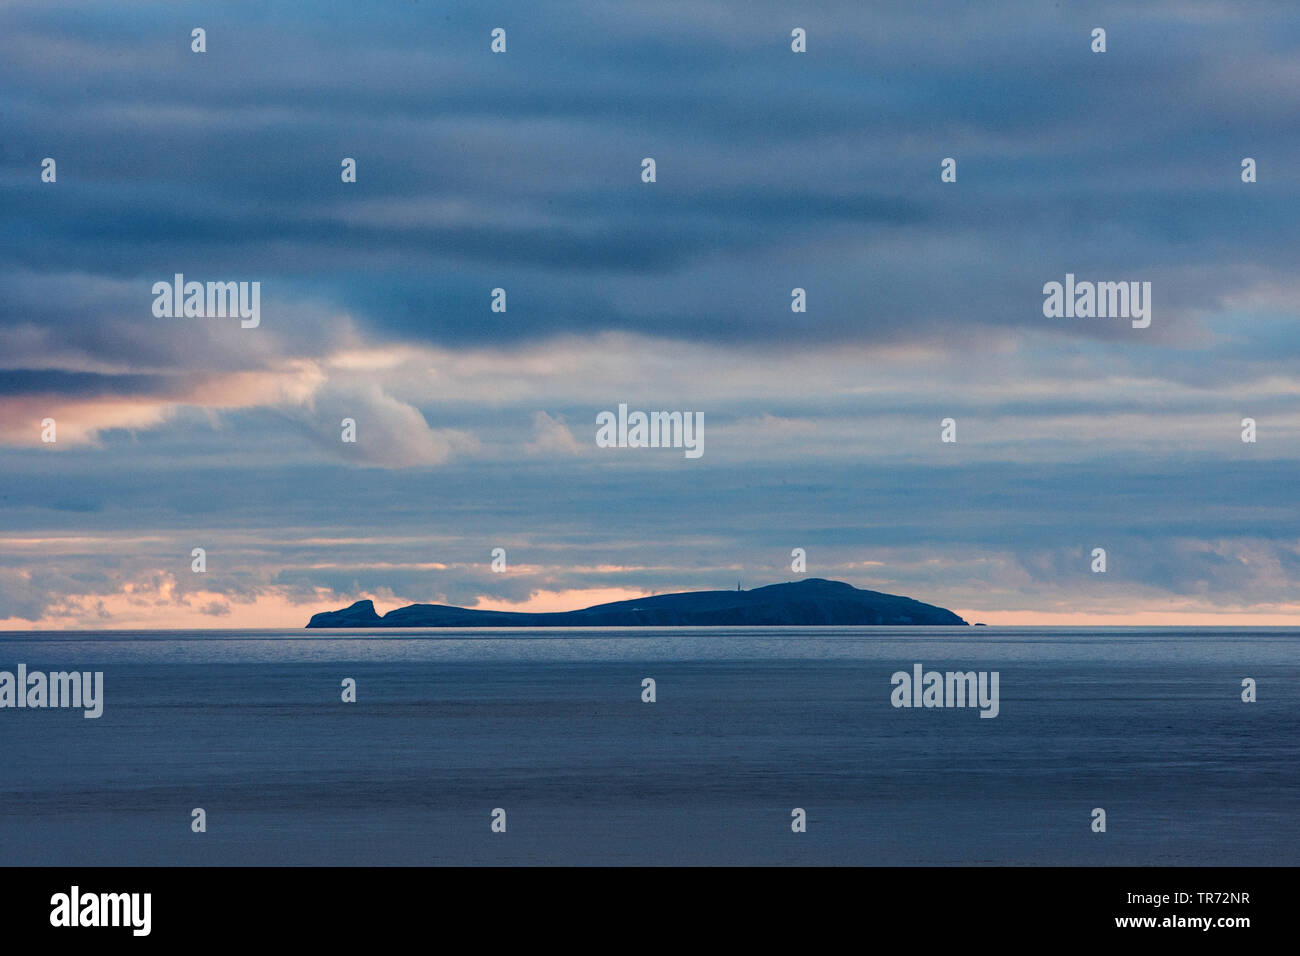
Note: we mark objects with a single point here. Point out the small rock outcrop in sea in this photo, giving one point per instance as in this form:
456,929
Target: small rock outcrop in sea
804,603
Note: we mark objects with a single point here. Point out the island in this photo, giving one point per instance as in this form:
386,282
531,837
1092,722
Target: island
810,602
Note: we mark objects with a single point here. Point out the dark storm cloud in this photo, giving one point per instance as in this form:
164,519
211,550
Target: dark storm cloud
523,170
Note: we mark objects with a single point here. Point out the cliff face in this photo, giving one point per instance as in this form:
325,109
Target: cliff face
809,602
361,614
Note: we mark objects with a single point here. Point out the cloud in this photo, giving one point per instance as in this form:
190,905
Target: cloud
389,432
552,437
544,602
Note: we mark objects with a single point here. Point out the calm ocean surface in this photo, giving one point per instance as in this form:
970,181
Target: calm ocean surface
749,723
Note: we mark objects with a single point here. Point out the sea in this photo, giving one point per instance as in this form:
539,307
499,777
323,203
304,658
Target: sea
761,746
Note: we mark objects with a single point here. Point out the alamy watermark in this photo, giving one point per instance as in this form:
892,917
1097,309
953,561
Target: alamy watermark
76,908
55,689
651,430
1099,300
922,688
212,300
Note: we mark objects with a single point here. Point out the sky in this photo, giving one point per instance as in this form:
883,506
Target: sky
522,170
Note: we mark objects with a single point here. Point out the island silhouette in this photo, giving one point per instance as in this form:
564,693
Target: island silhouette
813,601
